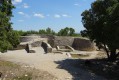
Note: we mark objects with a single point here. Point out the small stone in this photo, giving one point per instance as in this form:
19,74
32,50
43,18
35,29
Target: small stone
26,75
5,75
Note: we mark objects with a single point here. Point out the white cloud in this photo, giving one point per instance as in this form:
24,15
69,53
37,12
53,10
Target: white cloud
76,4
21,13
39,15
16,1
57,16
20,20
25,15
65,15
25,5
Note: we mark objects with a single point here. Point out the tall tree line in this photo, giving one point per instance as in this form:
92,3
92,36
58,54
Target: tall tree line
67,31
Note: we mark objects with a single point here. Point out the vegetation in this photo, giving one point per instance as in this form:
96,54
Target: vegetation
67,32
101,24
11,71
63,32
7,35
47,31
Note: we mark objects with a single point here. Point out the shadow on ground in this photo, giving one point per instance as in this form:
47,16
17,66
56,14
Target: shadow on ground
87,70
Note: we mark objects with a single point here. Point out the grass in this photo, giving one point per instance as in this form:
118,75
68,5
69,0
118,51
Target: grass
78,56
11,71
7,64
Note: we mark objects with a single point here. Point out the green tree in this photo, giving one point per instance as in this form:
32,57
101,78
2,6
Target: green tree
41,31
66,32
13,38
47,31
5,26
71,31
20,32
101,24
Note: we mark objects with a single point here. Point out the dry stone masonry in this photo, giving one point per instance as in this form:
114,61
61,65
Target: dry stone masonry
53,41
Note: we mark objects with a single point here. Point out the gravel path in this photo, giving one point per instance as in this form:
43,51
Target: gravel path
59,65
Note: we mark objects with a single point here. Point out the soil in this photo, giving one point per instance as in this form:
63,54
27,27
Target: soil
58,65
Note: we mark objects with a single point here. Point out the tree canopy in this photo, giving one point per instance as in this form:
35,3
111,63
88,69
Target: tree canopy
101,24
7,36
66,32
48,31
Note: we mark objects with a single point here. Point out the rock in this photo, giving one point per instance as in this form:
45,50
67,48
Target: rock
68,54
0,74
47,48
32,51
27,48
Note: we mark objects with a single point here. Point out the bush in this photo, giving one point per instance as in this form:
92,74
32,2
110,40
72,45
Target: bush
13,38
4,46
9,40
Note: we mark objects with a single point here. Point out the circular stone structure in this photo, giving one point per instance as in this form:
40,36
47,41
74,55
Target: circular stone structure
28,38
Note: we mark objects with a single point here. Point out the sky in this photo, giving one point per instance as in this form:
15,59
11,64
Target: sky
56,14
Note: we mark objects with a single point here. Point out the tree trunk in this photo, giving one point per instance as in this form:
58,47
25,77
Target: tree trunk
107,51
112,56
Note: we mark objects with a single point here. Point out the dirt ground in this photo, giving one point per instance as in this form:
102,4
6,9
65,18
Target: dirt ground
58,65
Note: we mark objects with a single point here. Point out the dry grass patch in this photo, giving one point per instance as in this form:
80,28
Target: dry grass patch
11,71
77,56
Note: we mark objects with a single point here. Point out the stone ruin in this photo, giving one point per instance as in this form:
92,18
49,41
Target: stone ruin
76,43
48,42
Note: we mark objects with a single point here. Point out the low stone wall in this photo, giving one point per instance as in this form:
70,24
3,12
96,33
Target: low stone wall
19,47
28,38
83,44
50,38
76,43
61,41
36,44
35,41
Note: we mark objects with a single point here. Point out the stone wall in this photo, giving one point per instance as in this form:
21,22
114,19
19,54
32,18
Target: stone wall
76,43
63,41
83,44
36,44
28,38
35,41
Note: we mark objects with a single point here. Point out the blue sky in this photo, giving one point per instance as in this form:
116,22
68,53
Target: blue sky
56,14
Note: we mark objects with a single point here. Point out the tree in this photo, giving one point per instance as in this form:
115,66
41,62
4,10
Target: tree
101,24
13,38
47,31
5,26
41,31
20,32
71,31
66,32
